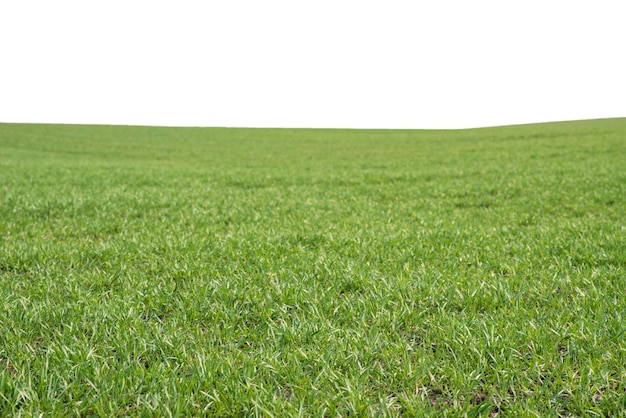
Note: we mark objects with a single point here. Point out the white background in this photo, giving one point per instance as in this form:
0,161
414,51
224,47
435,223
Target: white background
322,63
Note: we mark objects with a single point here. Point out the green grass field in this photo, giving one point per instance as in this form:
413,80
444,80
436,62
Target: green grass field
236,272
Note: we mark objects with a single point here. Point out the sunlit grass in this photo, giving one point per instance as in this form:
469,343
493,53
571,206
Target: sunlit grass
221,272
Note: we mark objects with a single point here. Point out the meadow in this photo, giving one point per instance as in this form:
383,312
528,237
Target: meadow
152,271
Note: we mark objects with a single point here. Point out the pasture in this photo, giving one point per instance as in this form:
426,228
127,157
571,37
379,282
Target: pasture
292,272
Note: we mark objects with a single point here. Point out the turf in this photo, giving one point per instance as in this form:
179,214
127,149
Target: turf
234,272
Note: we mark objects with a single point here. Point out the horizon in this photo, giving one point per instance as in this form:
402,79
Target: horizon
317,128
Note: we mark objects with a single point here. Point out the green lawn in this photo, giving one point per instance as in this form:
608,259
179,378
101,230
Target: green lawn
235,272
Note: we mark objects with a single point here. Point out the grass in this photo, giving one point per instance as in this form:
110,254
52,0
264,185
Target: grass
230,272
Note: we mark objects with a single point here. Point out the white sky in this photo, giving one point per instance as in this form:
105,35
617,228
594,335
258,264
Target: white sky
316,63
